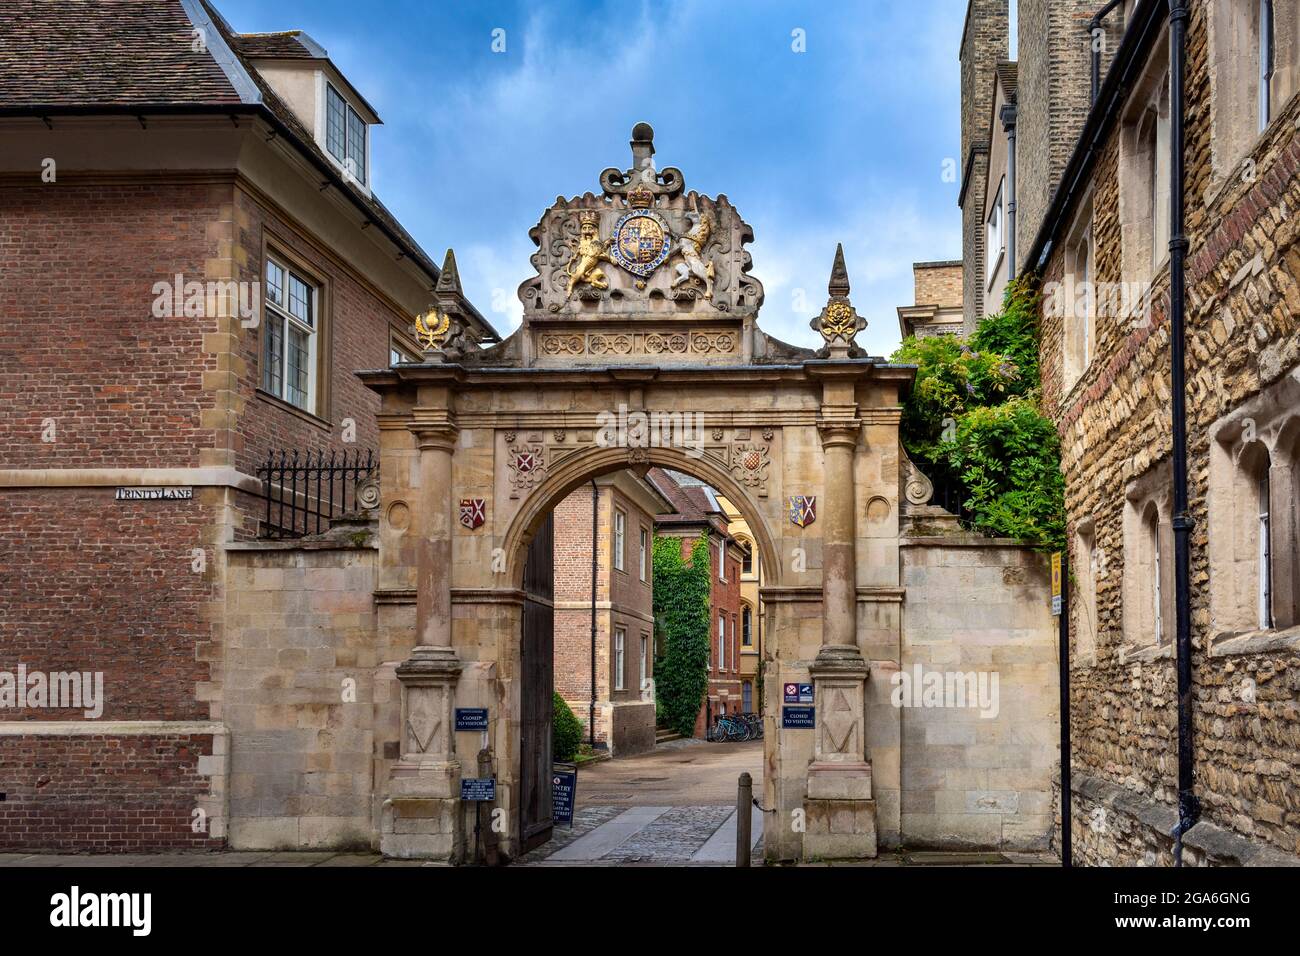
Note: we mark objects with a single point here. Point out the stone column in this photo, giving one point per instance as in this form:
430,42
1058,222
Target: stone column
421,816
840,811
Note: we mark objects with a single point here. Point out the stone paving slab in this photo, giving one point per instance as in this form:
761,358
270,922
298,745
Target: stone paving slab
608,836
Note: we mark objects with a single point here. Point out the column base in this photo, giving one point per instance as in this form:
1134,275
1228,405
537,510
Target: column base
839,813
421,817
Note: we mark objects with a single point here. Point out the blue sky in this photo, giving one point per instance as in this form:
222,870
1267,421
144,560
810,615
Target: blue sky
845,142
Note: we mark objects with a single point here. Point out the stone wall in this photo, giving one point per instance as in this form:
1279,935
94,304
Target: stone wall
305,688
977,618
1243,339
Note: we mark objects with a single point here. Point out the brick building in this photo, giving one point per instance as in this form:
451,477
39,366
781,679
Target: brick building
1095,204
195,264
751,608
936,302
699,511
623,511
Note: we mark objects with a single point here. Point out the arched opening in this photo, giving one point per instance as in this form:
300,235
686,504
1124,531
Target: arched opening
589,547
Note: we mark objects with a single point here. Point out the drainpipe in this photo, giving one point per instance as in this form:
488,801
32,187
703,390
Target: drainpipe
1188,805
1009,124
591,707
1093,26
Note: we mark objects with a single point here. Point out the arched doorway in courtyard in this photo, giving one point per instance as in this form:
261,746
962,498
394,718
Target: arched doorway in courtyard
640,347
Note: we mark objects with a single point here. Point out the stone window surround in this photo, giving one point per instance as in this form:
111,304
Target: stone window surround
1234,464
1084,565
1078,332
1153,489
1140,255
1234,81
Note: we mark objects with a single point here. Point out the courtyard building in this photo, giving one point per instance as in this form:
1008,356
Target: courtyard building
1097,229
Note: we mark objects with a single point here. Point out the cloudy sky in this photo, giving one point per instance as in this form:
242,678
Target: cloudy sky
847,141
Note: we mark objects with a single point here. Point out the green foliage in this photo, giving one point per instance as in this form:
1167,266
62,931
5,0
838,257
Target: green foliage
681,609
973,420
566,731
1009,460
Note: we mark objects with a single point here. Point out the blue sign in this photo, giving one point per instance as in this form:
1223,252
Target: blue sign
478,789
564,785
797,718
471,718
798,693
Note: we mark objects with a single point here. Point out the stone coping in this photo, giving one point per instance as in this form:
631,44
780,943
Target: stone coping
108,728
214,477
300,544
1220,846
1280,641
963,541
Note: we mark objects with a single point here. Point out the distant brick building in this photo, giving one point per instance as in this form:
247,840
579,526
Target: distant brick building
623,642
136,167
698,511
937,300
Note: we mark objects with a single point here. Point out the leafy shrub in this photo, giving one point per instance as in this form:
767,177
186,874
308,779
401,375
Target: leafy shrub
973,420
681,608
566,730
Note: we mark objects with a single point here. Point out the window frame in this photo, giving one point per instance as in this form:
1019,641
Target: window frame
1078,345
746,626
281,314
722,642
347,161
643,557
1266,55
620,658
644,666
996,229
620,540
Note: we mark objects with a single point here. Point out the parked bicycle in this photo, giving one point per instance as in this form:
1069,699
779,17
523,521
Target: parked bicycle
733,728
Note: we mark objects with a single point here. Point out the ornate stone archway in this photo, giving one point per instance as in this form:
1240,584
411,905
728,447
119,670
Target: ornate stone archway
640,346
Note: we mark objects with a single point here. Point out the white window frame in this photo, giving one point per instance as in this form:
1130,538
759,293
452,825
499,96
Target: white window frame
347,162
722,560
1267,54
645,545
1151,527
620,639
722,641
994,237
620,530
280,313
1264,597
645,661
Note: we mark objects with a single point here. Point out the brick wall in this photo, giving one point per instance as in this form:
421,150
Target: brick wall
103,793
984,43
1243,333
937,284
1054,89
79,344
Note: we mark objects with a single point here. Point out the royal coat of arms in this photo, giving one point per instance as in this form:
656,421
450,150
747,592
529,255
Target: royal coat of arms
641,240
803,509
473,512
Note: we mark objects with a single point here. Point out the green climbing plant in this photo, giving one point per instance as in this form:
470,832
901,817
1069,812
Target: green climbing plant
974,420
681,609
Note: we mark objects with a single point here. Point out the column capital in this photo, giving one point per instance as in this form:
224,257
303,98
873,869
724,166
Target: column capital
839,432
435,433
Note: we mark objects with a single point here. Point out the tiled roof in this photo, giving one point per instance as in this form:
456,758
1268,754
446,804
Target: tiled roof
107,52
692,501
281,46
115,54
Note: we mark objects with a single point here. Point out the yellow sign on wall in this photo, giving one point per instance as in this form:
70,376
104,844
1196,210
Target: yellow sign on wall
1056,582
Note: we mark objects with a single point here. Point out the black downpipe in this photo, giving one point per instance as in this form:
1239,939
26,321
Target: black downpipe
1188,806
591,707
1009,124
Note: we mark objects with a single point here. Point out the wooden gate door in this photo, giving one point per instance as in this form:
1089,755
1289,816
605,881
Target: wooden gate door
537,656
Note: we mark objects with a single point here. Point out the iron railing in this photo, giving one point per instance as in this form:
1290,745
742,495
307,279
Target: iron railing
304,491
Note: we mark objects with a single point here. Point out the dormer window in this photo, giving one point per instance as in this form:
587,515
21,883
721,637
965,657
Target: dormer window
345,134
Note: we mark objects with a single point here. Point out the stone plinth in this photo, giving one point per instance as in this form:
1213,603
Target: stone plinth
421,814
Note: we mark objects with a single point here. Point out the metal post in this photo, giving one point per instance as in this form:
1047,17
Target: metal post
1188,805
744,818
1067,834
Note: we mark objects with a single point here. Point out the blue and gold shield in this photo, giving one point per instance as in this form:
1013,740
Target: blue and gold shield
803,509
640,242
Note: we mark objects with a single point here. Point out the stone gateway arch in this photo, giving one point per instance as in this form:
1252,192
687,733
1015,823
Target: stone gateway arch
640,346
